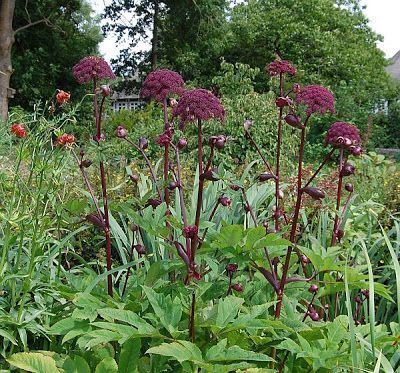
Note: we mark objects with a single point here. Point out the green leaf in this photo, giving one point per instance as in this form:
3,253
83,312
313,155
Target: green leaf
179,350
33,362
129,317
169,312
129,357
230,236
221,353
228,308
76,364
107,365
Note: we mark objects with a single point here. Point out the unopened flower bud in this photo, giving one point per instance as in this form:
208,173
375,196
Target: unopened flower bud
265,177
153,202
296,88
313,192
305,259
224,201
340,234
234,187
231,268
281,102
86,163
173,102
358,299
313,288
134,227
121,132
96,220
314,316
237,287
275,261
134,178
209,174
348,169
347,142
247,124
356,151
143,143
141,250
173,185
220,143
280,194
365,293
182,143
105,90
349,187
293,120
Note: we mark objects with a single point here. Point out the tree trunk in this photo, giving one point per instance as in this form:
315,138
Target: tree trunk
6,43
154,42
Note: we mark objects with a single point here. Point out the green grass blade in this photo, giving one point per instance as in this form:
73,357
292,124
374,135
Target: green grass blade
371,300
351,321
396,266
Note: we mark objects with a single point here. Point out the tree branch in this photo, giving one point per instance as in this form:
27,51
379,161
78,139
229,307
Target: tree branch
45,20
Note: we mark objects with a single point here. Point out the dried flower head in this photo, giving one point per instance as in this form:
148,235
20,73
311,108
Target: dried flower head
280,67
62,97
121,132
199,104
317,99
161,83
18,130
65,140
342,134
89,68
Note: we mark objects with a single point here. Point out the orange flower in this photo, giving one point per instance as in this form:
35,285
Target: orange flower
62,97
18,130
65,140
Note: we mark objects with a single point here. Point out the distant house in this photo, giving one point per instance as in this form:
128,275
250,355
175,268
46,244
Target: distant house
121,100
394,67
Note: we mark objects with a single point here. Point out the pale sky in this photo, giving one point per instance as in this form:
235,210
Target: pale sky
382,14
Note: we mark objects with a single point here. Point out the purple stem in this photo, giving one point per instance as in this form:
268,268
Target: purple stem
294,222
338,198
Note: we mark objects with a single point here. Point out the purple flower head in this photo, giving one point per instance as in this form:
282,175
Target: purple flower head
317,99
92,67
199,104
161,83
165,138
280,67
190,231
342,134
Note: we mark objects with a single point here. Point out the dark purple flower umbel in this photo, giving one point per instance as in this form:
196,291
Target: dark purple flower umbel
159,84
317,99
280,67
199,104
92,67
165,138
342,134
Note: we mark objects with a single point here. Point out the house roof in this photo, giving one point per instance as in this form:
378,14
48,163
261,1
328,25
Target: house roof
394,68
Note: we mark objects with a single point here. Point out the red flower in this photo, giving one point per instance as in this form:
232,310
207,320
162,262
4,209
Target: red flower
317,99
280,67
65,140
18,130
62,97
161,83
199,104
92,67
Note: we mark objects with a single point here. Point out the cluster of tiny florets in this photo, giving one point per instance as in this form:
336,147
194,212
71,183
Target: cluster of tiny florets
317,99
92,67
343,134
18,130
199,104
280,67
165,138
161,83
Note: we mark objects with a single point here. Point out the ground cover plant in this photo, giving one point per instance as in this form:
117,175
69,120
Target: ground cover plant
209,269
